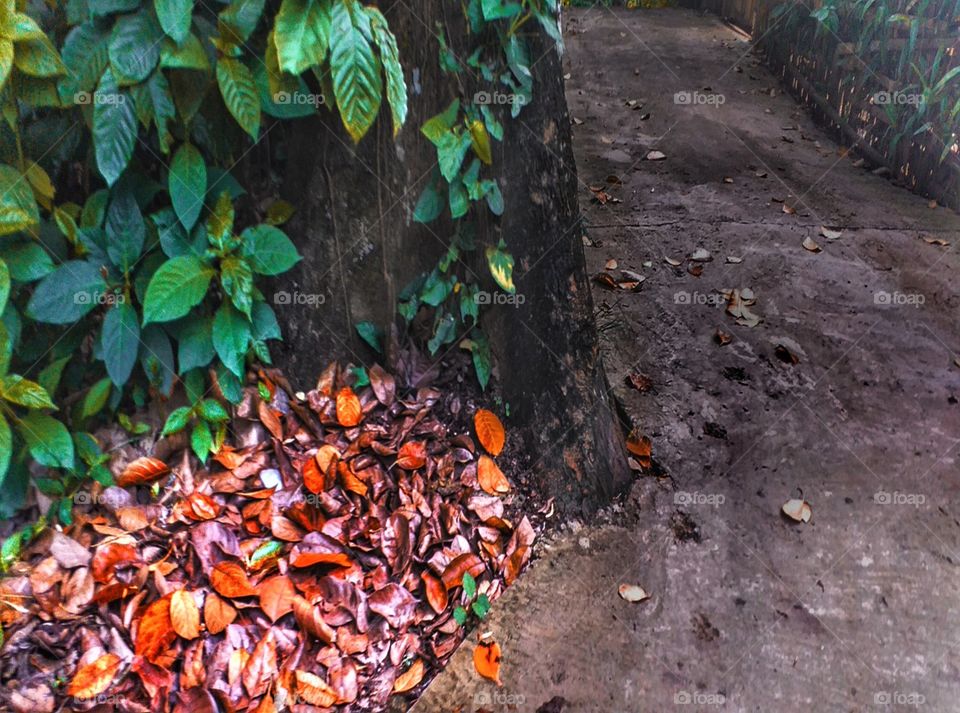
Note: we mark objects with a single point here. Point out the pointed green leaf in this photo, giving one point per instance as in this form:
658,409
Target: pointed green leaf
18,208
114,128
15,389
135,47
392,69
268,250
67,294
6,447
301,33
239,92
231,337
175,17
177,420
355,69
47,439
120,341
188,184
180,284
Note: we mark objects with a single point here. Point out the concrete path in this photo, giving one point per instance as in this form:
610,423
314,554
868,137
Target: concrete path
857,610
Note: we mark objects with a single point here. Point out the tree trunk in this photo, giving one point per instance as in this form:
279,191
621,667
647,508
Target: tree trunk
360,245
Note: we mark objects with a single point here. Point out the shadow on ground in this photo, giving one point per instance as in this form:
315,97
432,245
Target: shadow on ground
857,610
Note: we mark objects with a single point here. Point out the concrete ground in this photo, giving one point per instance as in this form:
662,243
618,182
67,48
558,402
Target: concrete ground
856,610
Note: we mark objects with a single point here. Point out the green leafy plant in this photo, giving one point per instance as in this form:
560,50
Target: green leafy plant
478,604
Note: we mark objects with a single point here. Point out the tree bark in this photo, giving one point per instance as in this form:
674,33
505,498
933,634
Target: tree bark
360,245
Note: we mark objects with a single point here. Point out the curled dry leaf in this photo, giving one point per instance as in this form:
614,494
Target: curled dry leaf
797,510
632,593
640,382
655,156
722,338
784,354
490,431
467,562
349,411
142,471
412,455
276,596
491,478
155,632
435,592
184,614
94,678
672,261
230,580
315,690
830,233
109,557
409,678
641,447
486,660
811,245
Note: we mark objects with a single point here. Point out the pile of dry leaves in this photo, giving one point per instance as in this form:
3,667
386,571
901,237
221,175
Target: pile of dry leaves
317,565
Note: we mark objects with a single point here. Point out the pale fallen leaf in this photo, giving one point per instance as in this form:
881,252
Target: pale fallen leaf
935,241
671,261
701,255
632,593
733,260
811,245
611,264
797,510
830,233
655,156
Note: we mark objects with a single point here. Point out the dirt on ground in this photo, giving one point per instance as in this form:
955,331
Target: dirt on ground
843,394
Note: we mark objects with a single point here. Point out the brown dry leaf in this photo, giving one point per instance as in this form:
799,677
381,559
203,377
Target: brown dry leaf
142,471
738,304
722,338
641,447
349,411
811,245
270,420
632,593
155,632
383,384
409,678
412,455
672,262
491,478
789,209
940,242
797,510
640,382
184,614
611,264
94,678
486,660
218,613
276,596
315,690
230,580
309,619
467,562
784,354
202,507
435,591
313,477
490,431
110,556
261,667
605,279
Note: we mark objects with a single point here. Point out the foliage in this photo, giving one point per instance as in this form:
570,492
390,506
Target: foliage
479,605
130,258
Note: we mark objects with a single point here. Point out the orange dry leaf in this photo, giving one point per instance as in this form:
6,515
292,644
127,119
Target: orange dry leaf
315,690
229,579
467,562
412,455
435,591
313,479
486,659
155,632
350,481
201,507
141,471
349,412
110,556
409,678
270,420
184,615
491,478
94,678
276,596
489,431
641,447
218,613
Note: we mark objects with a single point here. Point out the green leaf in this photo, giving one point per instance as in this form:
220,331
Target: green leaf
229,384
188,184
236,278
6,60
301,32
430,205
265,324
201,440
4,285
239,20
26,260
86,53
177,420
38,58
212,410
109,7
269,250
469,585
175,17
156,358
355,70
460,615
392,69
49,377
220,221
370,334
481,607
445,332
67,294
482,363
501,268
114,128
188,56
6,448
47,439
231,337
95,398
17,390
239,92
134,47
196,344
18,208
437,126
125,229
180,284
120,341
6,349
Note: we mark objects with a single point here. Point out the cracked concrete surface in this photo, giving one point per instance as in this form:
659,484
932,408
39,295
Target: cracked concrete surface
857,610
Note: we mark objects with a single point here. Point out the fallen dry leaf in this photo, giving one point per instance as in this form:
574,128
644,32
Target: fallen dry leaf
142,471
722,338
490,431
94,678
797,510
655,156
632,593
184,614
641,447
229,580
830,233
486,660
409,678
491,478
218,613
811,245
155,633
315,690
349,411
